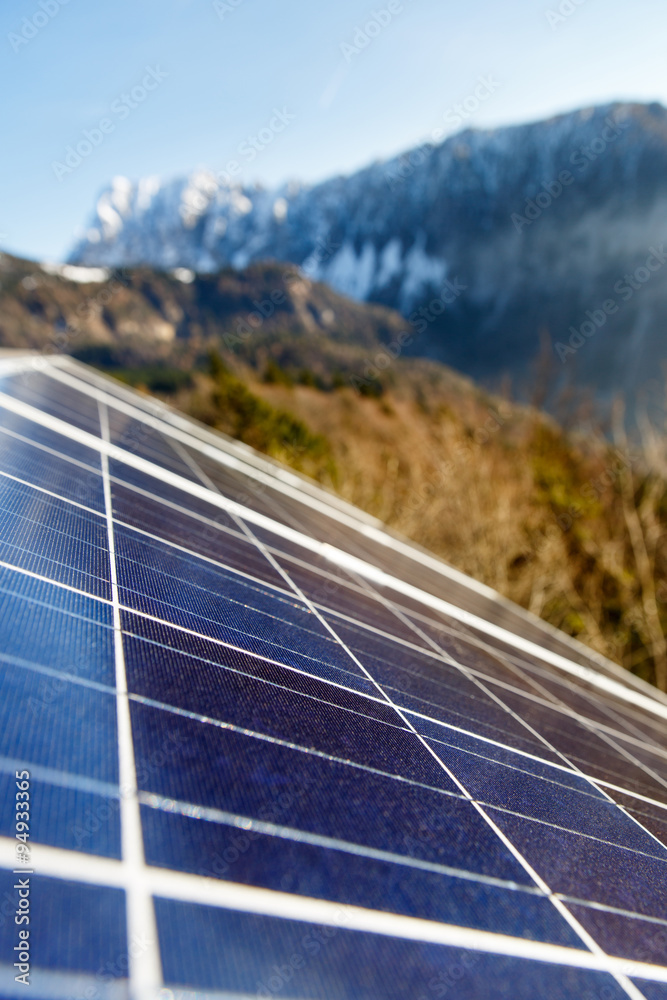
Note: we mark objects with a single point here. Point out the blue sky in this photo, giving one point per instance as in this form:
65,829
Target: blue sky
221,69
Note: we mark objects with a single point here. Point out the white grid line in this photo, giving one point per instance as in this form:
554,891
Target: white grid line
475,679
231,727
145,967
296,834
348,762
250,899
250,824
475,676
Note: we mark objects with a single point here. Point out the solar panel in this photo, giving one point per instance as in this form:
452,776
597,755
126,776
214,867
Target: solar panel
254,745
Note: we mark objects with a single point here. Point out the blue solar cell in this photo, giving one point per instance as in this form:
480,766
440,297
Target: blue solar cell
491,751
220,851
624,936
431,687
353,603
206,689
52,473
641,724
42,592
169,638
127,476
34,634
538,798
470,710
206,539
177,587
72,926
37,433
651,816
241,774
51,721
581,744
471,655
141,439
246,954
589,869
50,396
652,991
52,538
71,818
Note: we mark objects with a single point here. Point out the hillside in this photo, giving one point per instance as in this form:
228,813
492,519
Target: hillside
508,239
126,317
570,527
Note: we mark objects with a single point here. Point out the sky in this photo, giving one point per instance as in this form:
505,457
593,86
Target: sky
283,88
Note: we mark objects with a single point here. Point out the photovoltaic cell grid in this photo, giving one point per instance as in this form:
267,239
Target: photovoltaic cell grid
276,752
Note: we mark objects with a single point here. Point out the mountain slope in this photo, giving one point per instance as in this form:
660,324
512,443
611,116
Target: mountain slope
134,316
502,236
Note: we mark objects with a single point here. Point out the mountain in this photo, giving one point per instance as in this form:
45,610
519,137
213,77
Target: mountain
505,239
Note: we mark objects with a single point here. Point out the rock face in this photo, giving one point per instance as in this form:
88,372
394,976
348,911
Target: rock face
490,244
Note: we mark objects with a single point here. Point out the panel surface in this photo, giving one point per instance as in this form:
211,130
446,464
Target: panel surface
274,751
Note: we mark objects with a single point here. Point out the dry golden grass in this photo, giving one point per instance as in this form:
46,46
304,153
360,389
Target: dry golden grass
572,530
